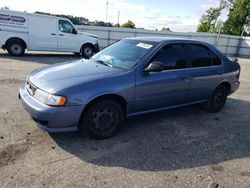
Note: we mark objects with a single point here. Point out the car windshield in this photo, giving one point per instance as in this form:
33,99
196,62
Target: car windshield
124,53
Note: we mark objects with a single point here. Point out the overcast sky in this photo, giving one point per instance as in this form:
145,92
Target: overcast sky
178,15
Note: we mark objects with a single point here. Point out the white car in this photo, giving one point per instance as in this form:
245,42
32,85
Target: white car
36,32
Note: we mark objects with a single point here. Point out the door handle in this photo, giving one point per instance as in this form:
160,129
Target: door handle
61,35
53,34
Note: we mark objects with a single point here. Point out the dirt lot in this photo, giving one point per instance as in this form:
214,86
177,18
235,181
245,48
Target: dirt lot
186,147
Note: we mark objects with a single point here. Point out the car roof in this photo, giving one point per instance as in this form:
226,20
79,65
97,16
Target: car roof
164,39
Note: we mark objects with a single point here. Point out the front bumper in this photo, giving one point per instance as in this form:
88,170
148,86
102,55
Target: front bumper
48,118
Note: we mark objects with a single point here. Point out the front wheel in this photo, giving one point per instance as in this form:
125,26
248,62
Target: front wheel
87,51
216,102
102,119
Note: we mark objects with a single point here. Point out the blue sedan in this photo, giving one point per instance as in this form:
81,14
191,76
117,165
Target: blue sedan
132,76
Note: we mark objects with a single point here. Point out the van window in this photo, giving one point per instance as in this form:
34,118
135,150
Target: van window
200,55
66,27
171,56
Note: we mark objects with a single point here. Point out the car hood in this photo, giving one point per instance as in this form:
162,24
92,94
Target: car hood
61,76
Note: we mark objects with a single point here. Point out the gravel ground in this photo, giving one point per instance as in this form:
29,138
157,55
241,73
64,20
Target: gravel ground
185,147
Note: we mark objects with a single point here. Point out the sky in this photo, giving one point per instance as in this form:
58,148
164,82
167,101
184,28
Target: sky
178,15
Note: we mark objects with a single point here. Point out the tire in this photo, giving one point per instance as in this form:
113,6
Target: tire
15,47
102,119
87,50
217,100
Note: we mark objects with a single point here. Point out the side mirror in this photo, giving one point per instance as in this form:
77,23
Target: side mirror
154,67
74,31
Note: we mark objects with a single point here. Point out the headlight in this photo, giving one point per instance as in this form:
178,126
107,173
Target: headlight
49,99
56,100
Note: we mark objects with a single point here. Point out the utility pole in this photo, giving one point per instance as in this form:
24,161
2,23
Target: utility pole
118,20
246,21
244,29
107,7
221,7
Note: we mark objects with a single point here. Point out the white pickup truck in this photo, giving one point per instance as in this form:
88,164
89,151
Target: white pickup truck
36,32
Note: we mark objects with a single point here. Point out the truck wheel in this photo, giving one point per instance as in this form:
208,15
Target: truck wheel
216,102
15,47
102,119
87,51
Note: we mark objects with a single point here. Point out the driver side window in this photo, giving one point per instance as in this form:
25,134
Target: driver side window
66,27
172,56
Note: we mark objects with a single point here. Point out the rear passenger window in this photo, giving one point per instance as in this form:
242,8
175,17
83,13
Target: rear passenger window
215,59
172,56
200,55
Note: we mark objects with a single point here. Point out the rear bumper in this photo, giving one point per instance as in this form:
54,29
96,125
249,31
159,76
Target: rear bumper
234,87
48,118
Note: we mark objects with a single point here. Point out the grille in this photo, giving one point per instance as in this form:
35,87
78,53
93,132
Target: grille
30,88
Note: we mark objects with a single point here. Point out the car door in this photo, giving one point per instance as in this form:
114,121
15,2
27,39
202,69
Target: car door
205,72
68,40
42,32
166,88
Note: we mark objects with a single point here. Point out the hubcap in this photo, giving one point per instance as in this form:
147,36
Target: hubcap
103,120
88,51
16,49
219,99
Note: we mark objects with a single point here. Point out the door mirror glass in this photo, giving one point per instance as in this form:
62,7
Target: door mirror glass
154,67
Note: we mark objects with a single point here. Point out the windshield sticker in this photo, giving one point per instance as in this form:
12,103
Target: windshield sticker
144,45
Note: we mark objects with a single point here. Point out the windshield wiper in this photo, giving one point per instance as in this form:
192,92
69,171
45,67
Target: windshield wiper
104,63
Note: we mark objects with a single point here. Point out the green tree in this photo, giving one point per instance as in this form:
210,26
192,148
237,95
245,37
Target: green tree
128,24
73,19
5,7
79,20
117,25
209,19
236,18
166,29
98,23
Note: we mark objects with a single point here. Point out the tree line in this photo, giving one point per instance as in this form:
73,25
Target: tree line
76,20
85,21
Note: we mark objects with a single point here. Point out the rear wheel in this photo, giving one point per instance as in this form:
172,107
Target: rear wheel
217,100
15,47
102,119
87,51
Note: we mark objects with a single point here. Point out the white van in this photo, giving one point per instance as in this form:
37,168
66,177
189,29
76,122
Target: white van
31,31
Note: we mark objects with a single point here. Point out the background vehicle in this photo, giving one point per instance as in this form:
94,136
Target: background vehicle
21,30
130,77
